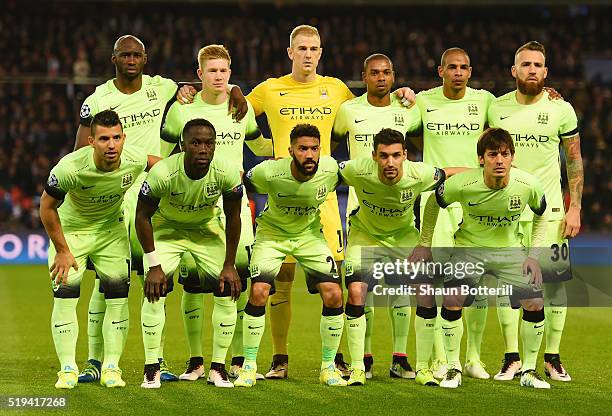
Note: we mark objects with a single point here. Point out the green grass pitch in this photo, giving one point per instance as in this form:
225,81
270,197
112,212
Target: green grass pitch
28,366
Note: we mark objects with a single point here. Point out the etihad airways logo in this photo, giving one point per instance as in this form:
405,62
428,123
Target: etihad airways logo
306,113
496,221
139,119
453,129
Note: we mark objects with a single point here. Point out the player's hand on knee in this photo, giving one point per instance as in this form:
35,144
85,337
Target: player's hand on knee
237,105
229,276
420,254
186,94
155,284
531,267
406,96
61,267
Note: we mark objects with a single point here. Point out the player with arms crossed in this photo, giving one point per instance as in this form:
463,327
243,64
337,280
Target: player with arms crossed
538,126
357,122
140,100
177,214
90,184
211,103
290,225
492,198
386,186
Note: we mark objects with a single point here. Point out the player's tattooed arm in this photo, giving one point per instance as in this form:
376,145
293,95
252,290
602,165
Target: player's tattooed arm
553,94
575,177
229,275
64,259
422,252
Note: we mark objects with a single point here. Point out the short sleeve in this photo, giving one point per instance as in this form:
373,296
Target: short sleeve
537,200
60,181
232,186
172,124
257,97
168,88
346,171
569,122
431,177
348,95
153,188
255,180
447,192
414,115
88,110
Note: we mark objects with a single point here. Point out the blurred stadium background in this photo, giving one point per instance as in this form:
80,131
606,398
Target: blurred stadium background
56,52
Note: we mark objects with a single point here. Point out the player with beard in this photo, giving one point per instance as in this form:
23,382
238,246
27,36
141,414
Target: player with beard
357,122
290,225
538,127
140,100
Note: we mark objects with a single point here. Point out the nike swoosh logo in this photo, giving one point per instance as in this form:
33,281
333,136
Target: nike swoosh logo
283,196
558,306
150,326
240,310
223,325
429,110
276,304
535,326
339,250
112,108
334,329
87,187
367,312
282,94
401,306
449,328
95,313
473,204
255,327
187,312
559,273
503,118
58,325
359,121
369,193
350,318
118,322
176,193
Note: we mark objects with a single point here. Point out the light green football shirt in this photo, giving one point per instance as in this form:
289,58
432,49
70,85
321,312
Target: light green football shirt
451,128
231,134
537,130
491,217
185,203
140,113
93,198
293,207
358,121
385,209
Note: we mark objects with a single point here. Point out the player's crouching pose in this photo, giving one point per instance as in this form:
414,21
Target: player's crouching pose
90,184
492,198
177,214
290,225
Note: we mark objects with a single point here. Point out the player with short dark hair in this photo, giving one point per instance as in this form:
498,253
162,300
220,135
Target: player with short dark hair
80,209
386,185
492,197
177,214
290,225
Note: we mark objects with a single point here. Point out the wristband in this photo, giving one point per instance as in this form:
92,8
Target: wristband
151,259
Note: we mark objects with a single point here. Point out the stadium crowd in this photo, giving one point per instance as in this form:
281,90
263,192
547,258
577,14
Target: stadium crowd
38,120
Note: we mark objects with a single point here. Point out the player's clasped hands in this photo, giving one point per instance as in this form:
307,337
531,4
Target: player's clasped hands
532,267
61,266
156,284
229,276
